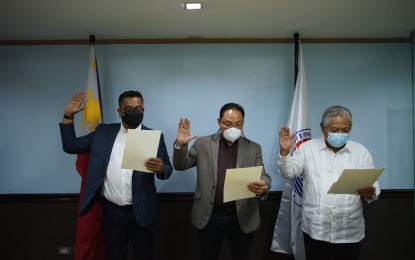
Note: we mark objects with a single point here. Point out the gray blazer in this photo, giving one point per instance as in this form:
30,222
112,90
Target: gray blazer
204,154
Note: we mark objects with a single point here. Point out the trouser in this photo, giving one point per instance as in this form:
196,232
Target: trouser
322,250
119,227
223,223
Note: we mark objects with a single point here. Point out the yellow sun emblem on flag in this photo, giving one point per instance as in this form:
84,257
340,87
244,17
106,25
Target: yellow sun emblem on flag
92,111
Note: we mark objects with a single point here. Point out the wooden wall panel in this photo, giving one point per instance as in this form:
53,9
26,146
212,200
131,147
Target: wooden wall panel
40,226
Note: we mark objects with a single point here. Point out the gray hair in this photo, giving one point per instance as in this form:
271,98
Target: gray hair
334,111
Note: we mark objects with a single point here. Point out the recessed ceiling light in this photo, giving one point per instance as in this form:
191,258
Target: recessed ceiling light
193,6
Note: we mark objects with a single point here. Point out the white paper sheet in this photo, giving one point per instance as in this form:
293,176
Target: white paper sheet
236,182
353,179
139,146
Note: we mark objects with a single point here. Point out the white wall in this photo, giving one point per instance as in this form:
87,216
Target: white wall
194,81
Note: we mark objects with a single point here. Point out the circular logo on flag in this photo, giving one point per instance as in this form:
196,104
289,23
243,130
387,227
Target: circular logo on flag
302,136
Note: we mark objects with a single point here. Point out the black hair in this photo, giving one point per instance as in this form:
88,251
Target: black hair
130,93
235,106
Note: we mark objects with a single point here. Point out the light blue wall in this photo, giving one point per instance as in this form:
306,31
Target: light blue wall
194,81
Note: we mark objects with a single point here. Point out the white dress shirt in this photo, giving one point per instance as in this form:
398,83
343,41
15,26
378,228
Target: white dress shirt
328,217
117,186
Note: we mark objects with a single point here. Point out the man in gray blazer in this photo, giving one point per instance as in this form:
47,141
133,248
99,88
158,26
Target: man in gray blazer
213,154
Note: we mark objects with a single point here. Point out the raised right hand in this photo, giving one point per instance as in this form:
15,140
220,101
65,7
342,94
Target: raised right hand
286,140
183,132
74,105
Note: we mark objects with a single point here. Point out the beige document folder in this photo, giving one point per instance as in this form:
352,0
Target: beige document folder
139,146
237,180
353,179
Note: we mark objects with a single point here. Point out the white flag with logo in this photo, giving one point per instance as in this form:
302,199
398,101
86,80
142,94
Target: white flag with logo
288,234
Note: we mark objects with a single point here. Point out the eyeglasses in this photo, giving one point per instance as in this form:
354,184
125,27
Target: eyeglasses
137,110
230,125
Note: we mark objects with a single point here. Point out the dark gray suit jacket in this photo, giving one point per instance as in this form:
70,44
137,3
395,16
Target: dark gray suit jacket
204,154
99,146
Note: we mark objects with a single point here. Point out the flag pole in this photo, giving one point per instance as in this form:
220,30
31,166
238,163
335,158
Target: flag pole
296,41
412,36
92,43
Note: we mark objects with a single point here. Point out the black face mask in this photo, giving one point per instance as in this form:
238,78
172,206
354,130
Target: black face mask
132,119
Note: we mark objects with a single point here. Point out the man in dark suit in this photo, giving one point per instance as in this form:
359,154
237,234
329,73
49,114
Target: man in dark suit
213,154
129,196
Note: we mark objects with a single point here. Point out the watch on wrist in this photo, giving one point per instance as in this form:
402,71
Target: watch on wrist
67,117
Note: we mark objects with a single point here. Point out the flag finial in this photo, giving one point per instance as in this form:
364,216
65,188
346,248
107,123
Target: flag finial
92,39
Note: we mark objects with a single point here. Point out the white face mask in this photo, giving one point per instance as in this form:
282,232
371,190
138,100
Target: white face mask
232,134
337,140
